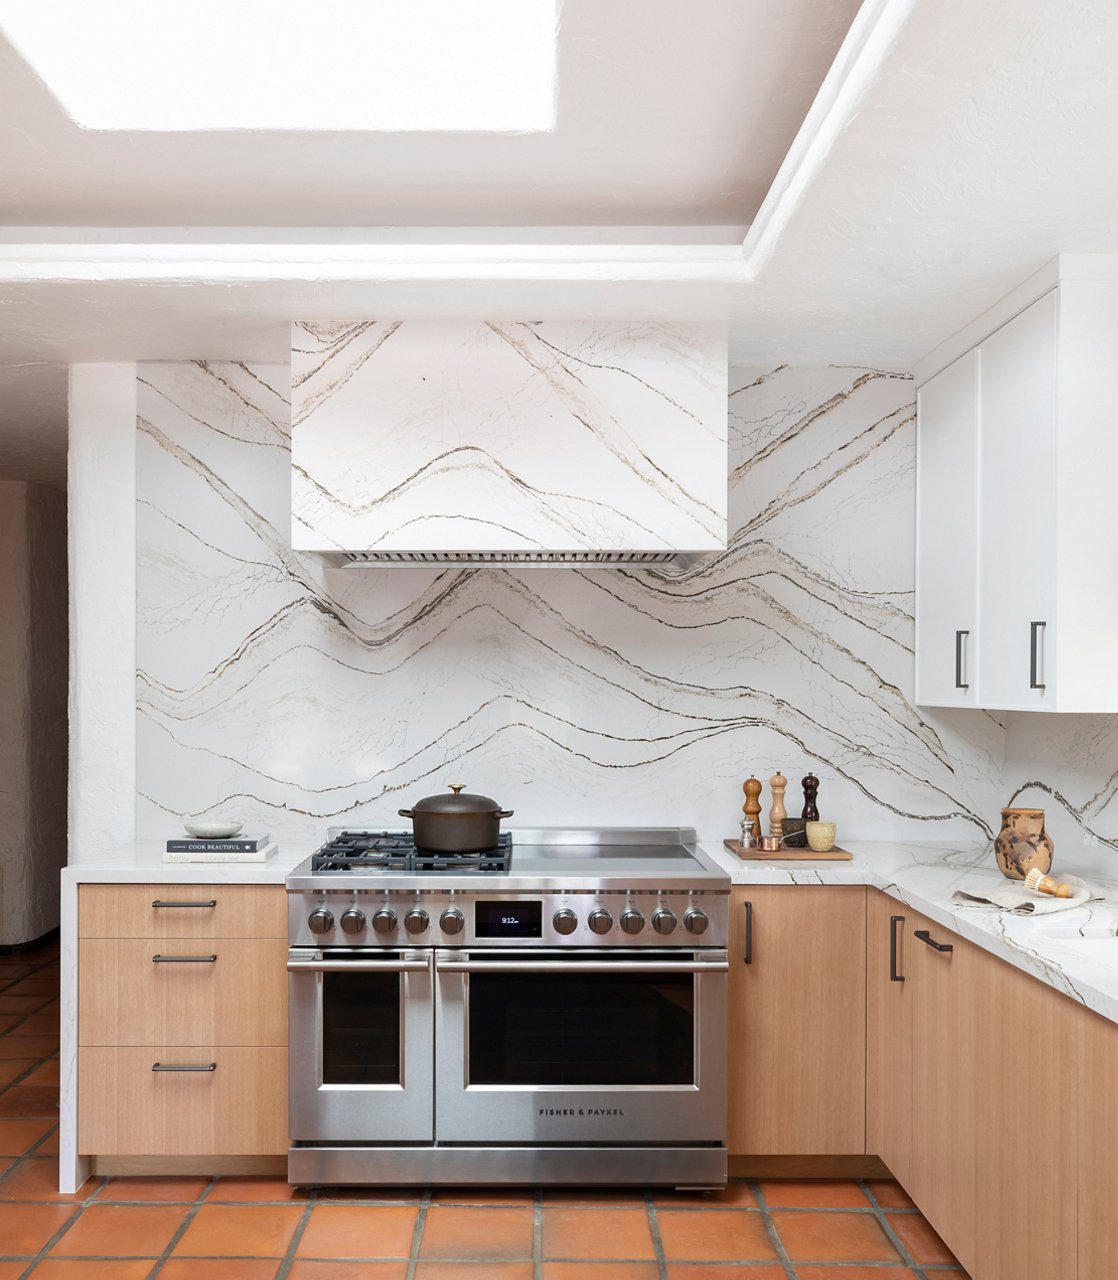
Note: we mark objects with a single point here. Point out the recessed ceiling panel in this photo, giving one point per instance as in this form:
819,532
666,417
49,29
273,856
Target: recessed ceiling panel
371,65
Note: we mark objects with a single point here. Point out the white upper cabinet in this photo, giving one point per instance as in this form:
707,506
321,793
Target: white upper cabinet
1017,632
420,437
947,536
1017,517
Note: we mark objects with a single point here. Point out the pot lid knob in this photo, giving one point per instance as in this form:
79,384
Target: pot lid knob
456,787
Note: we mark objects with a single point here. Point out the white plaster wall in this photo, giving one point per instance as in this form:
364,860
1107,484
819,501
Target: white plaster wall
277,691
33,655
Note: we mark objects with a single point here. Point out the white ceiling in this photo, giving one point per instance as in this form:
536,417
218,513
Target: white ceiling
981,149
668,112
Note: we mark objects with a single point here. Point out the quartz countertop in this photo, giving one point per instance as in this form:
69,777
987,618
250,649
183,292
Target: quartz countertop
142,862
1075,950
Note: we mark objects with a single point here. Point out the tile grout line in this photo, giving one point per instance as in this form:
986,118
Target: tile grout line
179,1232
770,1228
657,1241
417,1233
537,1235
891,1235
288,1259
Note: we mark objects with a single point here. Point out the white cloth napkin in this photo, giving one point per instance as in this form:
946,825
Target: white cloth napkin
1022,901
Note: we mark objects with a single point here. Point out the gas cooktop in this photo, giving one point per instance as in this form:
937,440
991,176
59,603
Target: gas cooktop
347,852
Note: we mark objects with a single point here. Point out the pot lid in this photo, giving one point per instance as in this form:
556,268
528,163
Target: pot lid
461,802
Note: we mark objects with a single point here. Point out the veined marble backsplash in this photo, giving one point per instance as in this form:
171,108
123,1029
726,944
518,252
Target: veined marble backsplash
295,696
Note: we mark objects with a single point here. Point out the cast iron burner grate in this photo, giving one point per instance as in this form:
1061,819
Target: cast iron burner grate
395,851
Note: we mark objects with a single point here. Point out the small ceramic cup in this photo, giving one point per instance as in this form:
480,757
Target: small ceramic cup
820,836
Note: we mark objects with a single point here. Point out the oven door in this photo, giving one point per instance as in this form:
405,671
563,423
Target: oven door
548,1046
361,1051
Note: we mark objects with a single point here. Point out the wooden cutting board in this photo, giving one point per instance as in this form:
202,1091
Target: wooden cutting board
787,855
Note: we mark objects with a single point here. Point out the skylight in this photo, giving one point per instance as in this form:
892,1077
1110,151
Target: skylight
385,65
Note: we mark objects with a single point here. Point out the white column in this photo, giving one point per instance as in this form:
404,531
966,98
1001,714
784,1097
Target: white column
102,548
102,495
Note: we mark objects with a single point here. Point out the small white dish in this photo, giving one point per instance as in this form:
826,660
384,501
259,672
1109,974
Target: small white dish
212,828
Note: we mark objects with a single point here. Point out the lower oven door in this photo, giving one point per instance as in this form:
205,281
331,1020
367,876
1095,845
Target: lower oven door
361,1051
549,1046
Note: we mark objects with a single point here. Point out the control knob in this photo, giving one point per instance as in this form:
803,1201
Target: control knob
320,920
452,921
696,921
632,921
565,921
353,921
416,921
663,921
384,921
600,921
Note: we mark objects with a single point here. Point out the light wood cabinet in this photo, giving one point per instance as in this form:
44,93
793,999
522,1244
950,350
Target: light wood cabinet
1016,455
159,911
128,1109
941,980
1097,1223
207,991
1025,1068
797,1020
216,996
889,1037
967,1059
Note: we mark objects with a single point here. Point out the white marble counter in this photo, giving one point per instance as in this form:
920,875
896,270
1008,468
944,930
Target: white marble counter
143,863
1074,951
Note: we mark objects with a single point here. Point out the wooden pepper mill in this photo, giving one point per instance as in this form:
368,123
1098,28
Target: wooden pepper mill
752,806
810,785
778,812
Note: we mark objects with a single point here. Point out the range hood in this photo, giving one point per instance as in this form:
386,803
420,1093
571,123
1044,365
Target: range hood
508,443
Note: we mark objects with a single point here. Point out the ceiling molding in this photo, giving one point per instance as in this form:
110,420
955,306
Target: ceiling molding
319,262
871,36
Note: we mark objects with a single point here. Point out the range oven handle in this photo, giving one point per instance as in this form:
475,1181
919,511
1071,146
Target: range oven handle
359,966
580,966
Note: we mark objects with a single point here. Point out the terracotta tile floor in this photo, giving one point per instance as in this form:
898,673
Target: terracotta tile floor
262,1229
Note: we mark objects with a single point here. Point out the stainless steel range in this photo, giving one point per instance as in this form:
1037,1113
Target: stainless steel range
550,1010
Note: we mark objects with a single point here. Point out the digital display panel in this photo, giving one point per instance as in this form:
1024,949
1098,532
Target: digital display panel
508,919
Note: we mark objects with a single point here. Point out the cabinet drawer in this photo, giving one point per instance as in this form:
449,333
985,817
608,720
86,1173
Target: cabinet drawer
125,997
219,911
126,1108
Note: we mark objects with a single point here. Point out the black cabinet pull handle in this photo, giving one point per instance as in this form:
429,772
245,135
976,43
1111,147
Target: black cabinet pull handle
1034,654
749,933
167,1066
925,936
184,959
894,976
158,903
960,644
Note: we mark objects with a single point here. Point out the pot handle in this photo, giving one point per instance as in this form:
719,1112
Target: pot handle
503,813
406,813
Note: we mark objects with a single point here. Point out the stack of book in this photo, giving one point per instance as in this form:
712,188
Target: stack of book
248,847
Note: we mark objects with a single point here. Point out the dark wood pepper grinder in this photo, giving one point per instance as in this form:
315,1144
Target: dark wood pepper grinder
752,806
810,785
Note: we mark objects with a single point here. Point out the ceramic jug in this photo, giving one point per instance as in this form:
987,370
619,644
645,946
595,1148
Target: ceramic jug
1023,843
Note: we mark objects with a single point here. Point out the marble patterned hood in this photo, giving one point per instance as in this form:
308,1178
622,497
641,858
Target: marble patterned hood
509,443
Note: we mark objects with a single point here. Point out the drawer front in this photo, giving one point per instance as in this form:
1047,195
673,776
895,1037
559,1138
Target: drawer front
126,997
125,1108
213,911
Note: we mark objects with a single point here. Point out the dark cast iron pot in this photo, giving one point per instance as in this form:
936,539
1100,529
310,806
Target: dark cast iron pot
456,823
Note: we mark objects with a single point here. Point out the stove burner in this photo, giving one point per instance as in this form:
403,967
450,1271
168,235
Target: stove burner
396,851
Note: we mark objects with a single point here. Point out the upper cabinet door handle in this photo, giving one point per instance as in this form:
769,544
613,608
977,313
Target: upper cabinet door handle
960,647
1036,641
